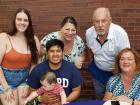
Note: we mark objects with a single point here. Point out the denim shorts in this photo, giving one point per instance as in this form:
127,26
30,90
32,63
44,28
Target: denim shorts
14,77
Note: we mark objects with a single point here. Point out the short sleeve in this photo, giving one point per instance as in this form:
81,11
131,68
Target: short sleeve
48,37
113,82
33,80
79,45
77,78
124,41
89,36
87,41
44,40
122,38
108,87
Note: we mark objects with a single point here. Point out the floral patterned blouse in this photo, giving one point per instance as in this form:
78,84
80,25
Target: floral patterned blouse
78,46
116,87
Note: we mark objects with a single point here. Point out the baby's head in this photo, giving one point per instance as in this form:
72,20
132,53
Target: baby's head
48,78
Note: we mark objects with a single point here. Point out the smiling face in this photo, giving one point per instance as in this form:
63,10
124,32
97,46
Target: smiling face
48,79
101,21
127,62
55,55
21,22
68,31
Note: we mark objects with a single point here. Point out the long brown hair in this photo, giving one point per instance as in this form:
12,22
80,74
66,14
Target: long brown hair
29,34
136,57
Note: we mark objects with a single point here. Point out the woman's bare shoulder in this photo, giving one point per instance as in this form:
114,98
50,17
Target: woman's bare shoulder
35,37
4,35
3,38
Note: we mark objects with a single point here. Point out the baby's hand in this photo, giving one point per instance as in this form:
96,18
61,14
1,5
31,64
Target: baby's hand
124,98
24,102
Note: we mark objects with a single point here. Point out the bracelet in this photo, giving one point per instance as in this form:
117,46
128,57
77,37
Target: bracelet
7,89
114,98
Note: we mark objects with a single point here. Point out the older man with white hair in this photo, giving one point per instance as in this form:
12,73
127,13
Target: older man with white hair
104,40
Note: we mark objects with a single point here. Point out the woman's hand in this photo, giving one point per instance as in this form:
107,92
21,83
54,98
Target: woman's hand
9,95
79,62
25,91
24,102
124,99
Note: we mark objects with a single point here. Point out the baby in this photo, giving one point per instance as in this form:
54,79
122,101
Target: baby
54,92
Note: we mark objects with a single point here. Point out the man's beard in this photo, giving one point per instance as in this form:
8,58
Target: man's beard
101,33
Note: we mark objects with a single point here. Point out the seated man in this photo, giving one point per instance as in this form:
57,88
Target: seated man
67,74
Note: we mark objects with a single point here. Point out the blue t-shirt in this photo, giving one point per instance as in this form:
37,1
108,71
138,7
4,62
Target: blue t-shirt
67,75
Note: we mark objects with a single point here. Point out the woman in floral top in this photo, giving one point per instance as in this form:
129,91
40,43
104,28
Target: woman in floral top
125,85
74,45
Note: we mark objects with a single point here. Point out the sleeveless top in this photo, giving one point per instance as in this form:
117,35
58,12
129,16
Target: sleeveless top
15,60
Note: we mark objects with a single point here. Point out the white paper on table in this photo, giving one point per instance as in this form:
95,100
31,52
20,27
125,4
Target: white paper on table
121,103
